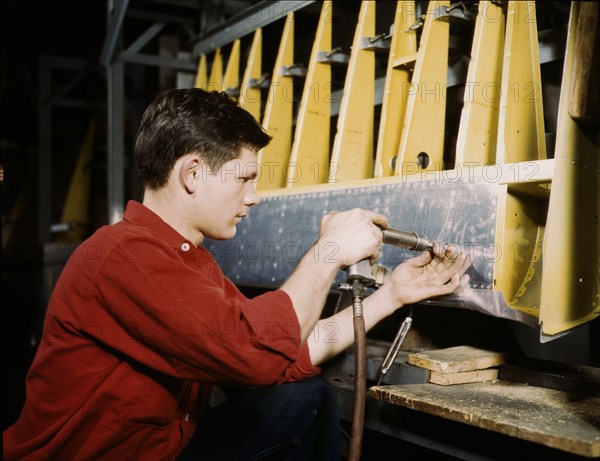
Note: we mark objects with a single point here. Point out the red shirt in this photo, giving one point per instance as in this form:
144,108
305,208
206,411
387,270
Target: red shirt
140,325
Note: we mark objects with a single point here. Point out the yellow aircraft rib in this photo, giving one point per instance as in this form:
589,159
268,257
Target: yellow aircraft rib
395,93
521,216
521,135
75,211
250,97
422,142
571,277
274,158
478,130
352,155
309,160
215,80
201,79
231,79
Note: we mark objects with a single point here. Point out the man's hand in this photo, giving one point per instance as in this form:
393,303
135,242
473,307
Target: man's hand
417,279
427,276
356,235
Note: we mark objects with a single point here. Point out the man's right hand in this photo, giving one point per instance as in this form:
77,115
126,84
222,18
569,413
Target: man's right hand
355,234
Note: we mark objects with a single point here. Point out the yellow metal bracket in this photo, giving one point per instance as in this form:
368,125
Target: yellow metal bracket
250,91
201,78
274,158
478,130
309,159
395,93
422,141
352,154
215,80
231,78
521,134
571,276
75,212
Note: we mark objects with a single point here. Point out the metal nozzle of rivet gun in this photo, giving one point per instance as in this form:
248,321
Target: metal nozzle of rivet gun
363,271
408,240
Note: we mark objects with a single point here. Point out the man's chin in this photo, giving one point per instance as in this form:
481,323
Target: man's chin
224,234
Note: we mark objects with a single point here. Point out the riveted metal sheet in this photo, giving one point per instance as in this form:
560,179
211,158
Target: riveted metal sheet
281,229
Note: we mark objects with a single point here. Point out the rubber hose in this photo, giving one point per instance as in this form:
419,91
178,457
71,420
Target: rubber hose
360,383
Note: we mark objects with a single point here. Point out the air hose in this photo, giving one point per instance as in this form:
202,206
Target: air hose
360,372
360,275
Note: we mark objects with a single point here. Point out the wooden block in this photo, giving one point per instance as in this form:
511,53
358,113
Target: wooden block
456,359
584,104
475,376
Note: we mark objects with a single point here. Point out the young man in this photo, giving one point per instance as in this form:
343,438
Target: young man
142,322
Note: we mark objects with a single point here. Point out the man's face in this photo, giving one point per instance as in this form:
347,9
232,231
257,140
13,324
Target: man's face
225,196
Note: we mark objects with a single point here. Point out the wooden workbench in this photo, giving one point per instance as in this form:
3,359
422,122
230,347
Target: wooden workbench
568,422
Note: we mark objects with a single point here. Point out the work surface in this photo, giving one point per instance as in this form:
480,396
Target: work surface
569,422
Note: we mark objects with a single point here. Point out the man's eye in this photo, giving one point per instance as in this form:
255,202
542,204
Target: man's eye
246,179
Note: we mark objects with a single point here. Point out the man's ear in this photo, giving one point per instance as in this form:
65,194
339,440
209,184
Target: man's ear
190,172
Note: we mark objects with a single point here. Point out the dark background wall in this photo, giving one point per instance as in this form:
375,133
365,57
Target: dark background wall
66,28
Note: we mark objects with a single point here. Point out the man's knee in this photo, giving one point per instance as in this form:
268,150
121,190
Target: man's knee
314,392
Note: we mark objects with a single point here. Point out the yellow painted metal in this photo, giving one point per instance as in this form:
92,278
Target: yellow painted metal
215,80
478,130
422,141
75,211
278,118
532,183
521,223
521,119
571,278
231,78
201,73
309,159
352,154
395,92
250,97
519,235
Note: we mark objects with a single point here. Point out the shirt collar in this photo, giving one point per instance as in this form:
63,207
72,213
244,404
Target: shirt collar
140,215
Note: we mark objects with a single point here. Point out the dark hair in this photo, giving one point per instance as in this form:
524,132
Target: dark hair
184,121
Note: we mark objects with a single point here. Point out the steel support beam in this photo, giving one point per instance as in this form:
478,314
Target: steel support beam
247,22
115,80
116,14
115,167
159,61
48,100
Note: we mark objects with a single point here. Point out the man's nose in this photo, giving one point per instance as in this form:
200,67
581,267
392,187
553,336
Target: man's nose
251,198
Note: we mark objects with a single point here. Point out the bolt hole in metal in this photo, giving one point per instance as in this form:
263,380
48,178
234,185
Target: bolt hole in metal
423,160
545,186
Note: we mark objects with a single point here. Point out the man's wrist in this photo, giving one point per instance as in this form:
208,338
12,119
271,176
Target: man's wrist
325,252
386,300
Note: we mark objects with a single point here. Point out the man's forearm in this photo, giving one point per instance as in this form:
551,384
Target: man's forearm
422,277
336,333
310,283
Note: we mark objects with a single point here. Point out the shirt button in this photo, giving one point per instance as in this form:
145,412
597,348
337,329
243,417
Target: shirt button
187,417
185,246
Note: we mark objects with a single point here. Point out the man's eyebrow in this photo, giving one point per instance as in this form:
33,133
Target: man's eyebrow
250,174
